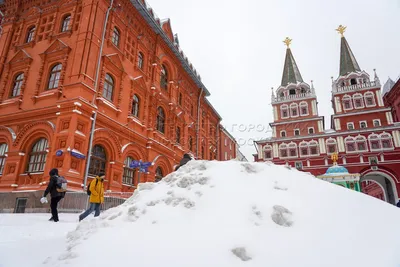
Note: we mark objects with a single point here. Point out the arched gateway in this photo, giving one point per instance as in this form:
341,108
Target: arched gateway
385,182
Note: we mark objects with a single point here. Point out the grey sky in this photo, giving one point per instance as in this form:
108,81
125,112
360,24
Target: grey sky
237,48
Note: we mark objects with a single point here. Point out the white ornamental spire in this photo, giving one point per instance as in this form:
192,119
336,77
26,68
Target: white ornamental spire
272,94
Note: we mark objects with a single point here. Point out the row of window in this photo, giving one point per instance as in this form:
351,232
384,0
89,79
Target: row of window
363,124
98,163
65,26
371,160
293,110
358,101
297,132
352,144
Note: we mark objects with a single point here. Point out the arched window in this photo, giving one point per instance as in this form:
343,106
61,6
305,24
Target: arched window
37,156
65,23
140,62
292,91
374,142
386,140
115,37
358,100
164,78
202,151
292,150
108,88
160,122
159,174
350,144
303,149
268,152
304,108
283,150
129,173
135,106
284,111
294,110
281,95
180,99
30,34
178,135
296,132
17,84
353,81
347,103
369,99
283,133
190,143
98,160
3,152
54,77
361,143
331,146
313,146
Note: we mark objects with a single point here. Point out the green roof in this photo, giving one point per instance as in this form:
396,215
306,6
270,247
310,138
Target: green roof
348,62
291,73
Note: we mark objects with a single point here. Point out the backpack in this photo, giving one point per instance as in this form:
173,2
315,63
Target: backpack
88,188
61,184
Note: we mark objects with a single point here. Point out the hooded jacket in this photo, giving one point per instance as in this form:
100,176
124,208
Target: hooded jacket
51,187
186,158
97,190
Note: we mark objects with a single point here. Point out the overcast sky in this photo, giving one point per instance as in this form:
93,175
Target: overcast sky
237,48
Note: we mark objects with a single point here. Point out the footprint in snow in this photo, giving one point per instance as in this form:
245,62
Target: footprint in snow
282,216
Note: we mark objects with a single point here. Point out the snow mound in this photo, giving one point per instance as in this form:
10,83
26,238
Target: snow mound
227,214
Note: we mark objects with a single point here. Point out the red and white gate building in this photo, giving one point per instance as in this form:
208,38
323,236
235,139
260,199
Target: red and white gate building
362,130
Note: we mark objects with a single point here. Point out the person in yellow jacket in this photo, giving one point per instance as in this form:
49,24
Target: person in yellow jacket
96,188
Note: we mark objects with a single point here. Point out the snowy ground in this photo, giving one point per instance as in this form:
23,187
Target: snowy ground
218,214
28,239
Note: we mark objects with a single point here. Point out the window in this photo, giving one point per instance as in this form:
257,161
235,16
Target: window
350,126
37,156
377,123
108,88
331,145
159,175
226,155
140,62
303,149
178,135
284,111
294,109
313,148
54,77
304,108
363,124
30,34
180,99
283,133
292,92
373,160
226,141
298,165
115,37
386,140
369,99
98,160
358,101
361,143
202,152
190,143
268,152
293,150
353,81
160,122
374,142
65,23
347,104
283,150
3,152
129,173
311,130
135,106
164,78
230,145
350,144
17,84
296,132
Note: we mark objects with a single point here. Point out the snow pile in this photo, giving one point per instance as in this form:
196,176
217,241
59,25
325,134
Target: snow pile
228,214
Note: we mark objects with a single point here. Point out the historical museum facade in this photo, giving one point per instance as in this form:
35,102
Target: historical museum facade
362,132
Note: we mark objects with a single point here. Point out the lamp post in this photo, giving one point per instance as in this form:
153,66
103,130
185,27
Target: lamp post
96,82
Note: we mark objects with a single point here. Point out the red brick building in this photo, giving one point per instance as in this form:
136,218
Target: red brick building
58,75
228,145
391,97
362,130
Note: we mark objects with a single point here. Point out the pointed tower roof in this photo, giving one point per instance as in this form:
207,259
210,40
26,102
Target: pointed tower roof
348,62
388,86
291,73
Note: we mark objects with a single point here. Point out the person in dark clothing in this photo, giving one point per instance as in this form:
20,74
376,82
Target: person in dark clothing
55,195
186,158
398,204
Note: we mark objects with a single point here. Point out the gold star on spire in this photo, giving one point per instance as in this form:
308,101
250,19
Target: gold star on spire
341,29
287,41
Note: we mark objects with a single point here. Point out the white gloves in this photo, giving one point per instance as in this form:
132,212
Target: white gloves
43,200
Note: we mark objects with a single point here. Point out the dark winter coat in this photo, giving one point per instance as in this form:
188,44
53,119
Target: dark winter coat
51,187
398,204
186,158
